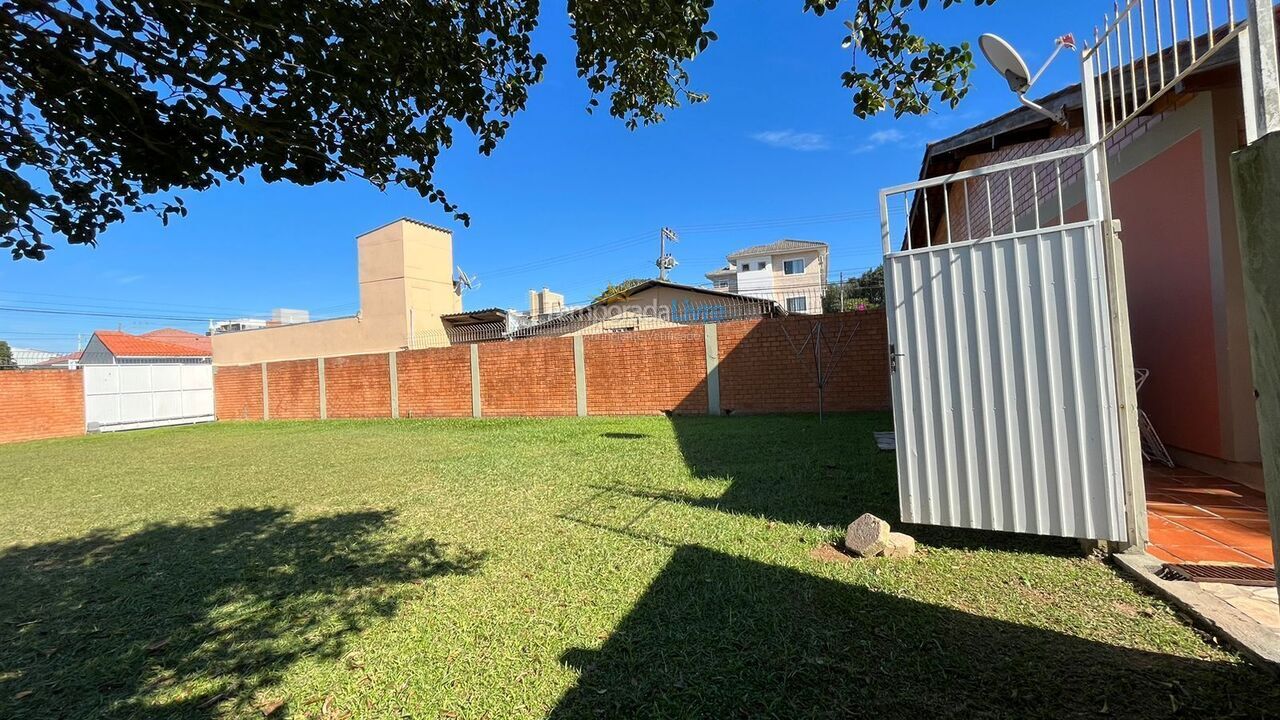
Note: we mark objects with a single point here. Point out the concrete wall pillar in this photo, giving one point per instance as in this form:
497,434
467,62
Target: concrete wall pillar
395,384
324,400
475,381
711,340
1255,172
266,412
580,374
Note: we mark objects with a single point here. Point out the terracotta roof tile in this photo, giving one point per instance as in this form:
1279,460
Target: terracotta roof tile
122,344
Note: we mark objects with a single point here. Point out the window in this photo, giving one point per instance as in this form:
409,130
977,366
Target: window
793,267
722,283
746,267
796,304
760,266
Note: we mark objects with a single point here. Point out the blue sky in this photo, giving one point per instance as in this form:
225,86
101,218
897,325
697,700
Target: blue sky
568,200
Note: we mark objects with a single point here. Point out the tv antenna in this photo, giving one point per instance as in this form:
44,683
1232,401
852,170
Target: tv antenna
1013,69
666,263
464,282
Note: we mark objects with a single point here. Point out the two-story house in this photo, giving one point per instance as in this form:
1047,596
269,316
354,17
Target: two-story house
792,273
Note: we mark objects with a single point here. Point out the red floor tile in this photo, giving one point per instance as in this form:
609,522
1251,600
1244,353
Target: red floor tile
1176,510
1211,554
1162,555
1225,531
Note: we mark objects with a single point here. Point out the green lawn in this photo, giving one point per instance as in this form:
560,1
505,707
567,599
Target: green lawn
646,567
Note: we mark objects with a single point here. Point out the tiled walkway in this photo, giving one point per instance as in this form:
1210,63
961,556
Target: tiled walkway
1199,518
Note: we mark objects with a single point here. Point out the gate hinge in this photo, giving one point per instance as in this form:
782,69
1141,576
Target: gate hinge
893,357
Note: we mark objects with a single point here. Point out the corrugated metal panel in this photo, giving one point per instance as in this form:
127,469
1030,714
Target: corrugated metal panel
1004,390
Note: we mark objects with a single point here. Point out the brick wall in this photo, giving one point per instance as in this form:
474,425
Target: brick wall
637,373
761,372
36,404
528,378
435,382
645,373
237,392
293,390
358,386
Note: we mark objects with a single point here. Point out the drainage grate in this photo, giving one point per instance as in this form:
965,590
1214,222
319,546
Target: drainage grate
1229,574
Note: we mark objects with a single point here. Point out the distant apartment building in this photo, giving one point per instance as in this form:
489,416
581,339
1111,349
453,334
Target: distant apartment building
792,273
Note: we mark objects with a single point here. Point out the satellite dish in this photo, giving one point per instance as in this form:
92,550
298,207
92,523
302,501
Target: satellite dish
463,281
1007,62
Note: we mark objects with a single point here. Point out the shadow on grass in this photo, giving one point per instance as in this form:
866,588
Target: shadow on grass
792,468
196,620
721,636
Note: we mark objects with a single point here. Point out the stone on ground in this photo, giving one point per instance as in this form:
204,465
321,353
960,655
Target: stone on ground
900,545
868,536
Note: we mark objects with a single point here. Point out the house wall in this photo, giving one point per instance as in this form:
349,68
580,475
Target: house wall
647,372
406,284
38,404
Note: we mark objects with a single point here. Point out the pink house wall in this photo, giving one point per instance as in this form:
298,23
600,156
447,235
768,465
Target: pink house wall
1162,206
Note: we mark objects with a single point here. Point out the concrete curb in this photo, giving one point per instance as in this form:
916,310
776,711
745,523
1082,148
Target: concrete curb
1209,612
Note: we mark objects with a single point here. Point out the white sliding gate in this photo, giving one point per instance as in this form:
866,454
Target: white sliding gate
128,396
1003,381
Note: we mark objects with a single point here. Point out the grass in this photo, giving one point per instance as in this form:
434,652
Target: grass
645,567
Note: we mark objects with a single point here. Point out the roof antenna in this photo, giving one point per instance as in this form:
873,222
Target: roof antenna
1013,69
666,262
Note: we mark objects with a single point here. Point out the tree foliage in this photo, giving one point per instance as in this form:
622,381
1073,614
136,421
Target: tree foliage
613,289
6,355
107,108
856,294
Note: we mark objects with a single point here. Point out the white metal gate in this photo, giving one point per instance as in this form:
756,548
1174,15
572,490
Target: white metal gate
1003,381
142,395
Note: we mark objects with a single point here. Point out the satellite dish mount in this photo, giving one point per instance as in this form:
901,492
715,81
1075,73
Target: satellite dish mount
1013,69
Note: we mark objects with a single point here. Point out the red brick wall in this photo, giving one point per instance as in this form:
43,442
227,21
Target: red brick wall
760,371
644,373
626,374
237,392
36,404
358,386
435,383
528,378
293,390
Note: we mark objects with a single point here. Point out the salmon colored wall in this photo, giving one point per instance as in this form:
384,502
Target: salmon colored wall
1162,207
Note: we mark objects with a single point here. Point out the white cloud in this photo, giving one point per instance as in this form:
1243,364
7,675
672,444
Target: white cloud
881,138
791,140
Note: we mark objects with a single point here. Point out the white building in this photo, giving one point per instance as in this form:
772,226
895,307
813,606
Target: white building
792,273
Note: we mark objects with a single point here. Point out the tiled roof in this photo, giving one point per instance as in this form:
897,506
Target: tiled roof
122,344
779,246
174,336
60,360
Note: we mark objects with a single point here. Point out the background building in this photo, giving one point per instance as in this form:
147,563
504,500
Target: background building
792,273
406,285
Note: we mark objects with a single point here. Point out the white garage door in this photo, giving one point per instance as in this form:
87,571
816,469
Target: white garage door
126,397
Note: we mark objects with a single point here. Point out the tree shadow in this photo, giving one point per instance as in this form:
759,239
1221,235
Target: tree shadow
722,636
793,468
199,619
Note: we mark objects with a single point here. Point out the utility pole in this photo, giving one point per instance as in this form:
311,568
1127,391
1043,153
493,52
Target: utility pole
841,309
666,262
